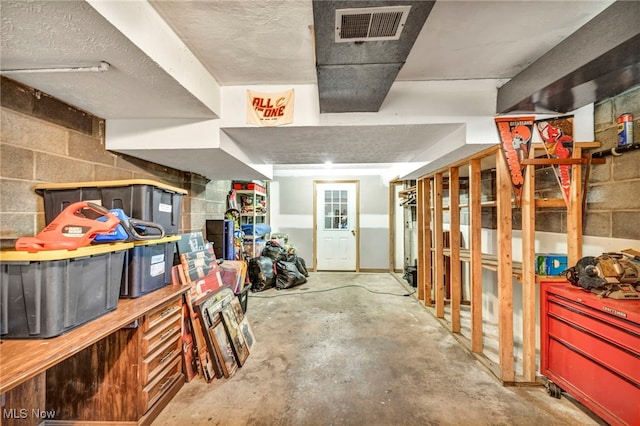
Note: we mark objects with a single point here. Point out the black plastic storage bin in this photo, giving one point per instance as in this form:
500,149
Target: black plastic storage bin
44,294
139,198
243,297
148,266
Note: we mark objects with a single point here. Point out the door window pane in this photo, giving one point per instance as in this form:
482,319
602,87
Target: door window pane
335,209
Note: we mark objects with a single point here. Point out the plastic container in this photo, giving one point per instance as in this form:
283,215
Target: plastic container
148,267
141,199
48,293
551,264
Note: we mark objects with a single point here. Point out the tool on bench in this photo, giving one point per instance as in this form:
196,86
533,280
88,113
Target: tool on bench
76,226
129,229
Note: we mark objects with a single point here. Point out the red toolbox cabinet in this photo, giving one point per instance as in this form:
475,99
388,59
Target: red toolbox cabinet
590,348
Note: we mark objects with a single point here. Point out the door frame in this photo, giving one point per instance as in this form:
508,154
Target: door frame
315,219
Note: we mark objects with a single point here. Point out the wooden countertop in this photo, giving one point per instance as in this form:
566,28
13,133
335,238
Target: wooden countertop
23,359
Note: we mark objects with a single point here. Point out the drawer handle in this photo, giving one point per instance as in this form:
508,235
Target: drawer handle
168,311
167,333
165,383
167,356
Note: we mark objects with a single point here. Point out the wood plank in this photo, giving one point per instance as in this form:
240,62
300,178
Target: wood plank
574,213
21,401
439,246
505,289
528,278
99,383
454,238
550,203
16,368
427,243
420,218
559,161
475,249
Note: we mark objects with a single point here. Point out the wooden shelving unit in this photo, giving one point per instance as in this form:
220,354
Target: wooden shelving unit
432,252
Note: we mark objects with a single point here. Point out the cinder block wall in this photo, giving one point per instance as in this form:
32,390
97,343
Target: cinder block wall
613,199
44,140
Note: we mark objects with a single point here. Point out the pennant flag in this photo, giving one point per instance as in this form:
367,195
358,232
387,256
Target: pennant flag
557,137
270,109
515,136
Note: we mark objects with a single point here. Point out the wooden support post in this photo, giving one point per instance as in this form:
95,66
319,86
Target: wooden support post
574,212
439,247
505,269
420,217
528,280
454,238
427,244
475,252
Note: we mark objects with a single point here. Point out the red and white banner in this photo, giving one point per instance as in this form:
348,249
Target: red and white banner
515,134
557,135
270,109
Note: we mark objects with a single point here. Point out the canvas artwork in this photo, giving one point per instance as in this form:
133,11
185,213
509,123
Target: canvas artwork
237,309
247,333
224,350
235,335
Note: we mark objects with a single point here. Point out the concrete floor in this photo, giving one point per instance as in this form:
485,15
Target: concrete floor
330,352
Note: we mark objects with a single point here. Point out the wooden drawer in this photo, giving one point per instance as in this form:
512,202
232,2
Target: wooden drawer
163,332
165,354
154,390
162,314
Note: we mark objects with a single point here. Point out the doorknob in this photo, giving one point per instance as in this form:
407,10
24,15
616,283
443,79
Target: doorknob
353,232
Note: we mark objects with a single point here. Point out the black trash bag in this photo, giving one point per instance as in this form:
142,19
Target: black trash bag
261,273
274,250
287,275
300,264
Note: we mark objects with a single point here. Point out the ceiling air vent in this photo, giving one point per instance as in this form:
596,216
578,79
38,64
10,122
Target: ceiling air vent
370,24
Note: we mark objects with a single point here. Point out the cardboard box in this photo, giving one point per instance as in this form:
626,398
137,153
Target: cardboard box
552,264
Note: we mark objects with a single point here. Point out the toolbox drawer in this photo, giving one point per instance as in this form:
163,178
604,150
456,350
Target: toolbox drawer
154,363
164,313
158,335
154,390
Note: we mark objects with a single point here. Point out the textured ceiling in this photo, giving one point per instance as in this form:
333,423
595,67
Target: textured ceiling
270,42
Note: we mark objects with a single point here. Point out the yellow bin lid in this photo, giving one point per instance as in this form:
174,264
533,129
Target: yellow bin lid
45,255
107,183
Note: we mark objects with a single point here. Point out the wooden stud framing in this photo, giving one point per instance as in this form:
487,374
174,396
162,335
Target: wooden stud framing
505,256
475,250
439,246
528,279
422,223
574,212
455,280
432,247
427,278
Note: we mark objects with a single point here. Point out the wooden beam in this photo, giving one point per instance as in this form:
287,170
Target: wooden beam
475,251
550,202
439,246
505,280
454,239
574,212
420,218
427,243
558,161
528,278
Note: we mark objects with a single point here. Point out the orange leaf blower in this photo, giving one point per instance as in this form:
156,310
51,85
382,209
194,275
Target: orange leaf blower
76,226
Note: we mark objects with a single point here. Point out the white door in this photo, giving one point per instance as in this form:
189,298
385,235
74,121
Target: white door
336,226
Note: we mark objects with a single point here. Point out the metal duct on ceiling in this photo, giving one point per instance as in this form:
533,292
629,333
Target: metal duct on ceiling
598,61
355,76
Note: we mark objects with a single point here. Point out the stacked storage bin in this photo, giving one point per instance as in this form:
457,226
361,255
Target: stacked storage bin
47,293
148,264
